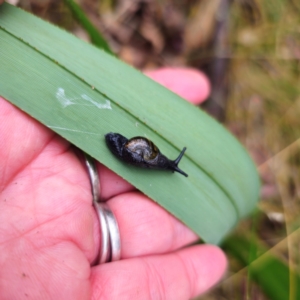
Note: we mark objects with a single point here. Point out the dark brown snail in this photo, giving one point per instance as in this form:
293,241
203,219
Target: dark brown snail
141,152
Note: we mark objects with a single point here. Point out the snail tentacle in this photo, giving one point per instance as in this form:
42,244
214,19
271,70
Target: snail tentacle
174,163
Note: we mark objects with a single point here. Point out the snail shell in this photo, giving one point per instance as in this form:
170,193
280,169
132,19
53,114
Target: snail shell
141,152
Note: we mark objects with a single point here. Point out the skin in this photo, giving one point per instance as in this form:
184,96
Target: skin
49,232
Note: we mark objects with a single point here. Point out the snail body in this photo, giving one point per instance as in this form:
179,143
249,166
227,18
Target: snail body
141,152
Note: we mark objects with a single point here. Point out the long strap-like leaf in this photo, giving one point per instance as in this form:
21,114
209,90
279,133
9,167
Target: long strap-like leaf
82,93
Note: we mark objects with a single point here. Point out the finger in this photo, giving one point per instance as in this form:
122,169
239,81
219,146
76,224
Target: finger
180,275
146,228
188,83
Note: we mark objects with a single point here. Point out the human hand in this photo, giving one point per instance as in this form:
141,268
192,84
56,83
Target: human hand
49,231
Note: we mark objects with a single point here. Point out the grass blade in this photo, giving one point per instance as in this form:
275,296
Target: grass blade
273,276
95,36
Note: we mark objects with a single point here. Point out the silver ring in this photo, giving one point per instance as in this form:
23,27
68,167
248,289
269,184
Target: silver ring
114,234
104,251
94,178
110,244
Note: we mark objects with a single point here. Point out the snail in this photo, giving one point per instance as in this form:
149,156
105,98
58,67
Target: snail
141,152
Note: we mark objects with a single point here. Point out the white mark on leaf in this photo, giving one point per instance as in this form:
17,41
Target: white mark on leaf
74,130
106,105
66,101
61,97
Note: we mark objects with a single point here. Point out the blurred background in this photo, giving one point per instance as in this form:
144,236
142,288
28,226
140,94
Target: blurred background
250,51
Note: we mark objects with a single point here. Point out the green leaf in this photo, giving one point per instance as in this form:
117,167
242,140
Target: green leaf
273,276
80,16
82,93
